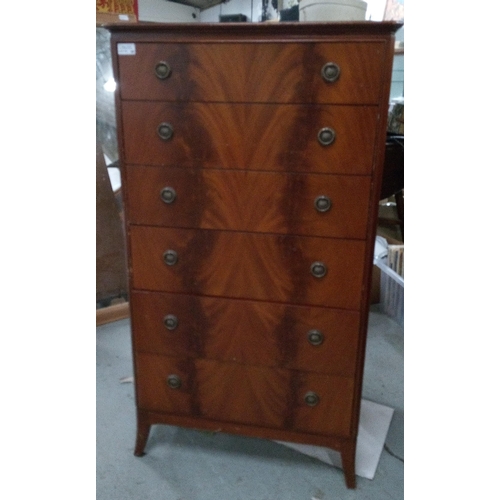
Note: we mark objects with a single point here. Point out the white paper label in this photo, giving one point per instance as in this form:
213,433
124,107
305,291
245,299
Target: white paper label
123,17
126,49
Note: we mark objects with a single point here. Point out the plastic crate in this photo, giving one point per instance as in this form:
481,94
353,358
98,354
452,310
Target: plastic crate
392,291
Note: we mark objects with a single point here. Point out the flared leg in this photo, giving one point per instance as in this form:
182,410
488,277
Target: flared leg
143,428
348,454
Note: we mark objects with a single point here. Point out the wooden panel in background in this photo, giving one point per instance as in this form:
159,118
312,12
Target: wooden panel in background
112,313
111,270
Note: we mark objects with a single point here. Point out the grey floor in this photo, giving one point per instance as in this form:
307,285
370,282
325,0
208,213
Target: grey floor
183,464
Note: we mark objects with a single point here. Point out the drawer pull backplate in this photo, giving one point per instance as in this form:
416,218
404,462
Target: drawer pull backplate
330,72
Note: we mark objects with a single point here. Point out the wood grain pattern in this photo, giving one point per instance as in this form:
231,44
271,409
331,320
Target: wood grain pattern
230,392
251,136
246,332
155,394
246,102
265,72
333,412
248,265
265,202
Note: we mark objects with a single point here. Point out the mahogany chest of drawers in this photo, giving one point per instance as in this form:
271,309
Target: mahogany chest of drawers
251,161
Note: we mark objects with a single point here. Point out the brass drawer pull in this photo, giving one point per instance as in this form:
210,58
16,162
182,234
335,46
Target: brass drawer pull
170,257
170,321
315,337
174,381
326,136
330,72
311,398
322,203
168,195
162,70
165,131
318,269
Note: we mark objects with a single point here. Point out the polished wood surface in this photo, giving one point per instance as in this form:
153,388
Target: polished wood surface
260,333
251,137
289,32
267,202
248,265
264,72
245,394
246,104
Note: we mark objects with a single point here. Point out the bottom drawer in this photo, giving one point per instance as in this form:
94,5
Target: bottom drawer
254,395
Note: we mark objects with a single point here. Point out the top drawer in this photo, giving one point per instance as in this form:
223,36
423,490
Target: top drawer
252,72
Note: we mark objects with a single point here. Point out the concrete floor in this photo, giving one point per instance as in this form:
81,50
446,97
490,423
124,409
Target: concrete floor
183,464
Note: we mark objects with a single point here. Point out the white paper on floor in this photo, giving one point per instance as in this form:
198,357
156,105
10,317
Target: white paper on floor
374,421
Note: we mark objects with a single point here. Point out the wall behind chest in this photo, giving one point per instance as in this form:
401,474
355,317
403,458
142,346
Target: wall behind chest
167,12
251,9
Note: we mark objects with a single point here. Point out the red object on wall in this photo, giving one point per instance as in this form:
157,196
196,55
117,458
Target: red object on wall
118,6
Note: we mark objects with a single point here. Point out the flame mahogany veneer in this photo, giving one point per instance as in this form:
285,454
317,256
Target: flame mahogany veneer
252,158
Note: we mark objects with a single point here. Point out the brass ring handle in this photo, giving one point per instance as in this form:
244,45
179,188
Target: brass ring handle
170,321
330,72
162,70
311,398
322,203
168,194
174,381
315,337
165,131
170,257
326,136
318,269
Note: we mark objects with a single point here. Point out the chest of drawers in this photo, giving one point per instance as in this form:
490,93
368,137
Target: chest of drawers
251,161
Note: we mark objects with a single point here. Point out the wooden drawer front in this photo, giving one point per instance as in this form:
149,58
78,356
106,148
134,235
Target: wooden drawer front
246,332
252,137
259,72
249,201
254,395
248,265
